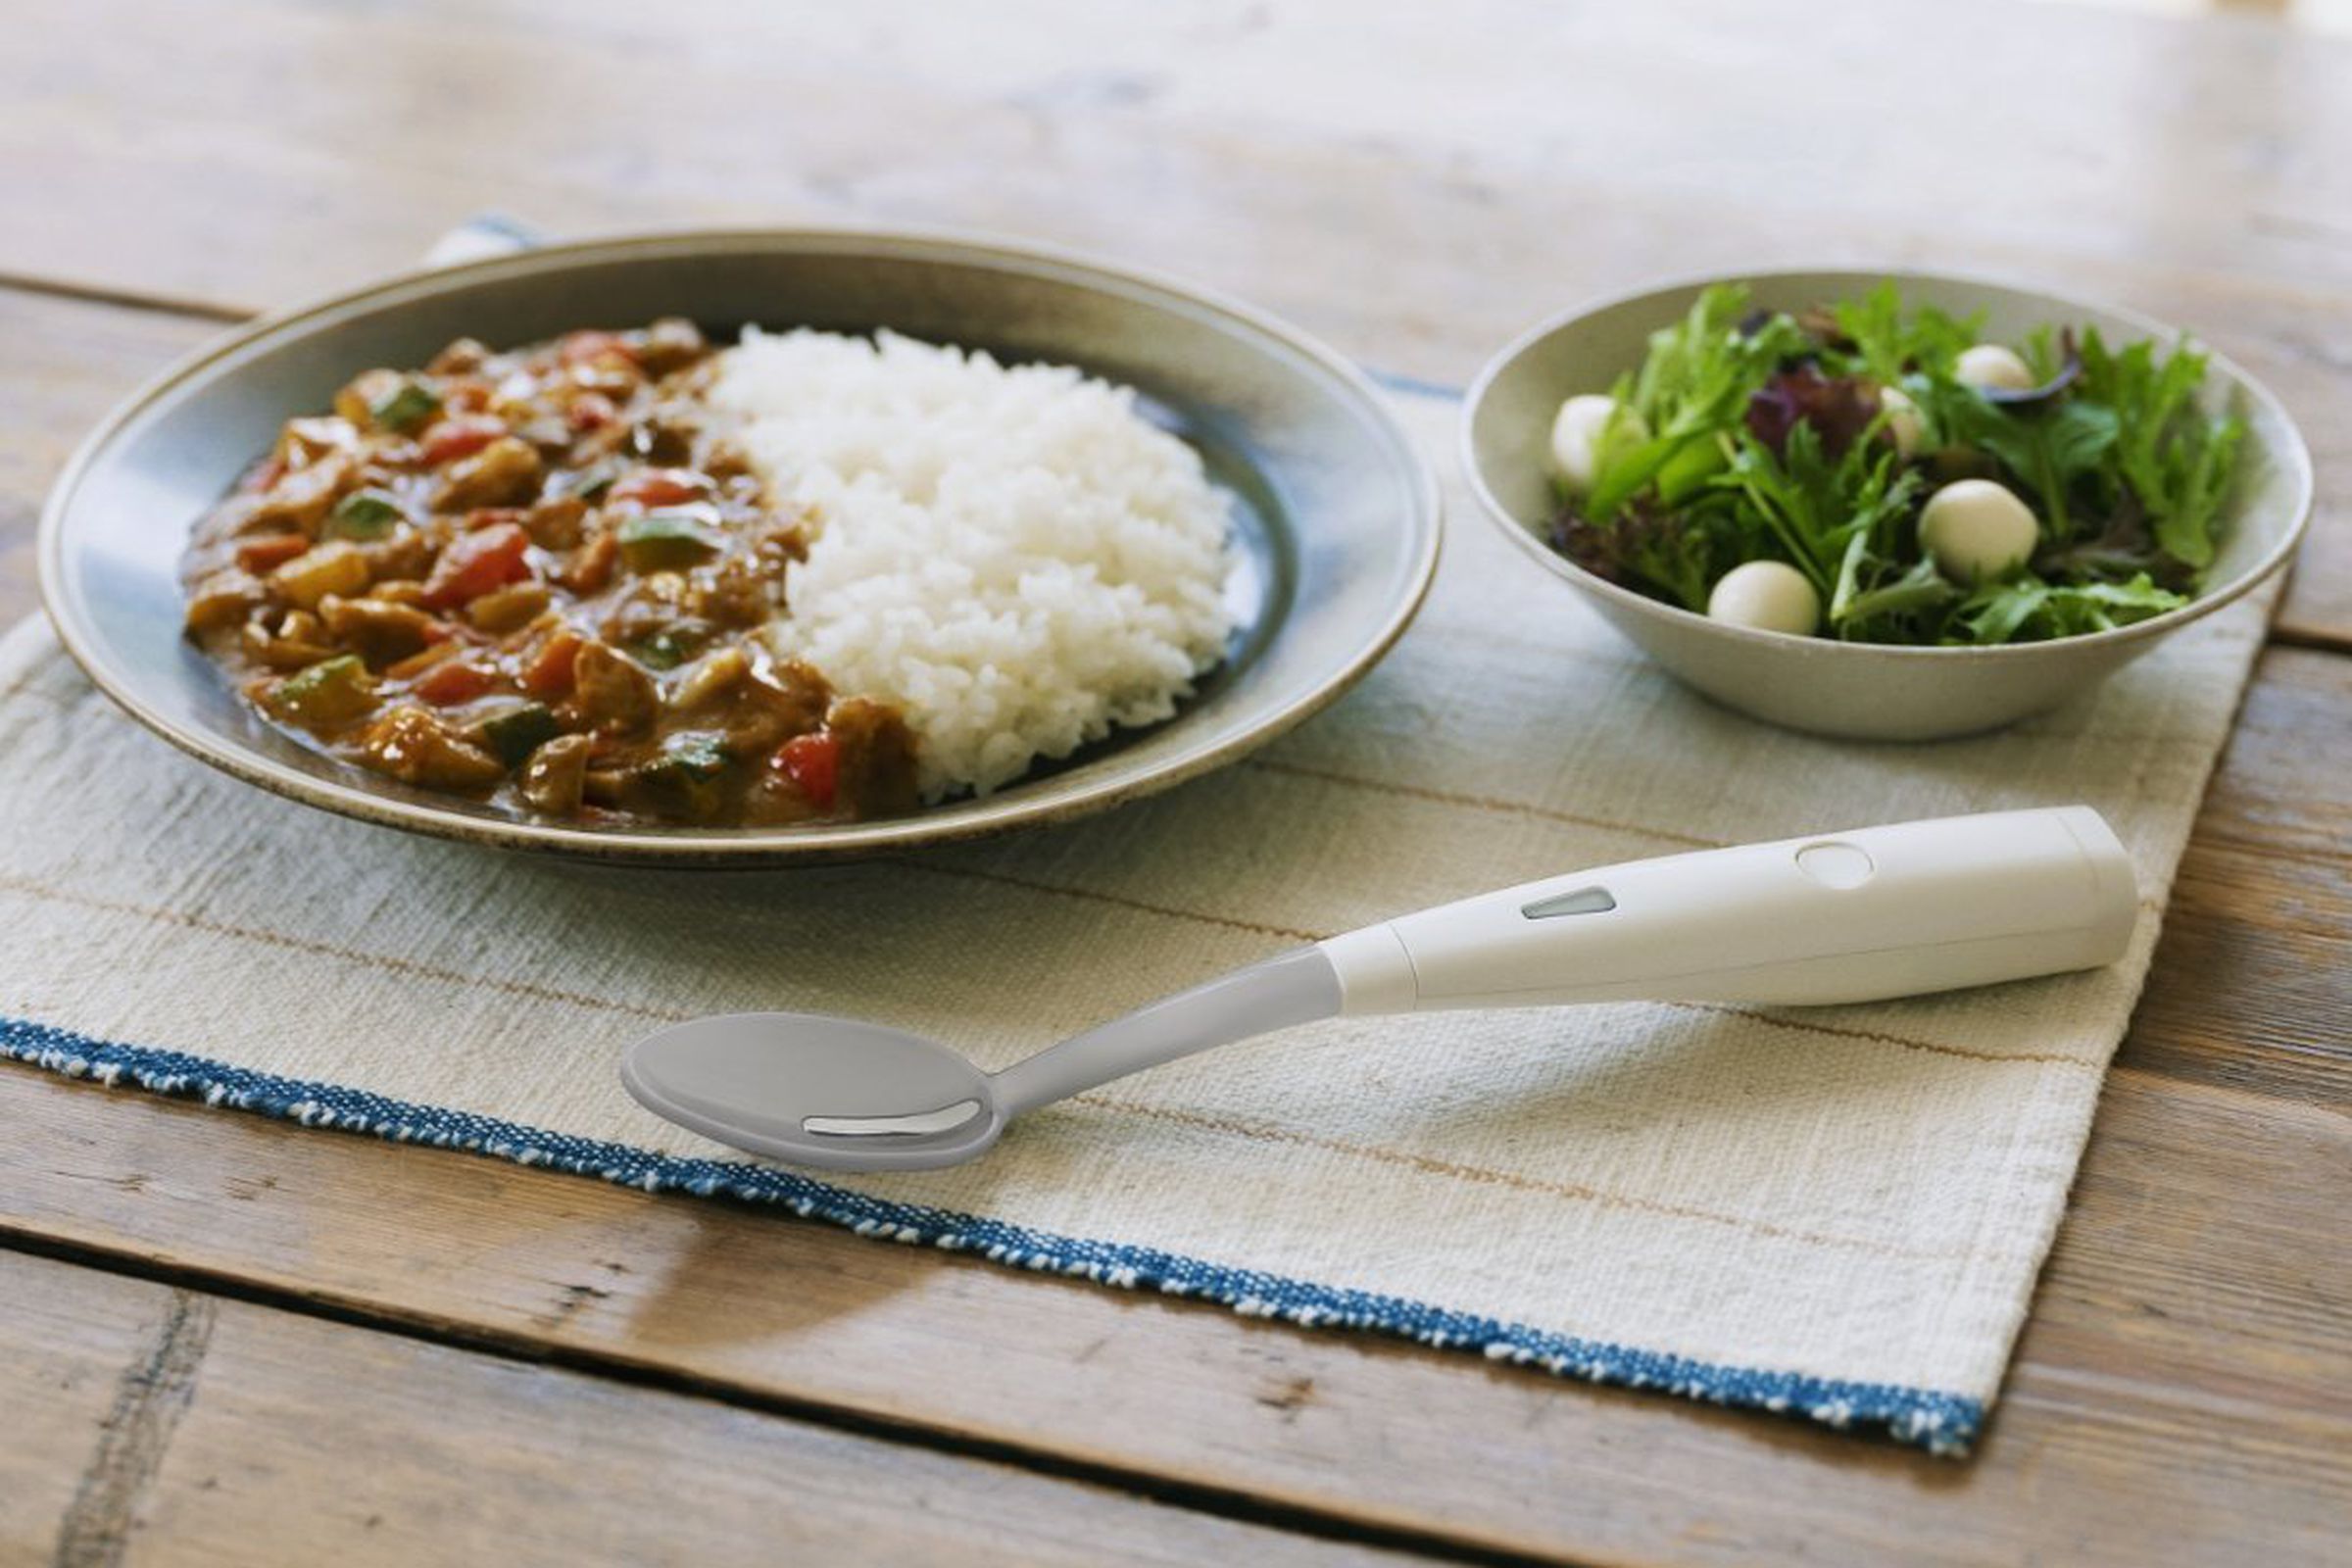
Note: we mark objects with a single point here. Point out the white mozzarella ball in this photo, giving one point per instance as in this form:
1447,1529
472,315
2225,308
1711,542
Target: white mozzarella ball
1904,426
1994,365
1576,436
1768,595
1977,530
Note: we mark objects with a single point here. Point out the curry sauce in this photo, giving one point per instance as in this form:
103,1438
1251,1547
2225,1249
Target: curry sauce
538,578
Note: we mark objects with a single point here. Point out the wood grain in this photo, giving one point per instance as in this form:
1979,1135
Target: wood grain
2252,988
2179,1388
65,362
1416,194
74,1375
244,131
1418,199
177,1428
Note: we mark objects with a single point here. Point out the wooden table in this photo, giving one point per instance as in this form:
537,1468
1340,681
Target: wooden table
223,1339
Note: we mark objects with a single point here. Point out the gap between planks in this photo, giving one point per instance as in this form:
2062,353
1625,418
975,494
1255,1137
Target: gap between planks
154,304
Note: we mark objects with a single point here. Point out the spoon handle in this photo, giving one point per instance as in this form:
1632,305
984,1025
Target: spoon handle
1883,911
1293,987
1879,912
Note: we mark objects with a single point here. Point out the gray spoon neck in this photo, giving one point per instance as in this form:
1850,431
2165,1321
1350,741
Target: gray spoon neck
1290,988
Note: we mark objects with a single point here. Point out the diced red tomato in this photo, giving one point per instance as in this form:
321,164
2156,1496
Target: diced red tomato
453,681
477,563
590,411
812,761
548,676
269,552
660,487
580,348
461,436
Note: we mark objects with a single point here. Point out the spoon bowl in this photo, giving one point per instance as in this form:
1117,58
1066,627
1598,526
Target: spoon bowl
816,1090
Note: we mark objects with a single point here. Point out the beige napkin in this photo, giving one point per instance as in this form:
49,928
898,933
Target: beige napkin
1837,1213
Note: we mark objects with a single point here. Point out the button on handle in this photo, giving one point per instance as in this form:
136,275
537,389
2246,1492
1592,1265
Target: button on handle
1836,866
1584,901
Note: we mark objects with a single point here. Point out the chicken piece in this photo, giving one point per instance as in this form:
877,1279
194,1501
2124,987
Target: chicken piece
591,565
335,567
303,442
506,472
223,600
764,709
407,555
462,357
296,642
506,610
710,678
557,524
725,461
667,441
671,344
377,630
417,748
554,777
735,593
612,693
300,498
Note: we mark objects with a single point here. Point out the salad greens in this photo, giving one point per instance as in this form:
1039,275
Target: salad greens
1816,438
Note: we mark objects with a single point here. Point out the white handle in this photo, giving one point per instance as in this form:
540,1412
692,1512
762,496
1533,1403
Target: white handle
1882,911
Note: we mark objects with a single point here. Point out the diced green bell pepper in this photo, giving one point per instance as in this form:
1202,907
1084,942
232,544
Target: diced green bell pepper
663,649
514,733
685,780
697,753
369,514
406,407
586,483
333,691
666,541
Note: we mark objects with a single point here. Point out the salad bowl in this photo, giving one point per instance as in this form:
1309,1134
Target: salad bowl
1871,691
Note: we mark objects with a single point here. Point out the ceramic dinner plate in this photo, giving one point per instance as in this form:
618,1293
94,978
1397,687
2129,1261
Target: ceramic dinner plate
1335,512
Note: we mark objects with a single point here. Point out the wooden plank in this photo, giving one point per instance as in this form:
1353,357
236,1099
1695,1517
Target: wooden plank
82,1377
2252,987
66,363
167,1426
1202,145
240,134
2177,1396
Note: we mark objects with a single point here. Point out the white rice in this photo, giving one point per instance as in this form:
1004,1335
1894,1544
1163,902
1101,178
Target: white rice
1015,557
